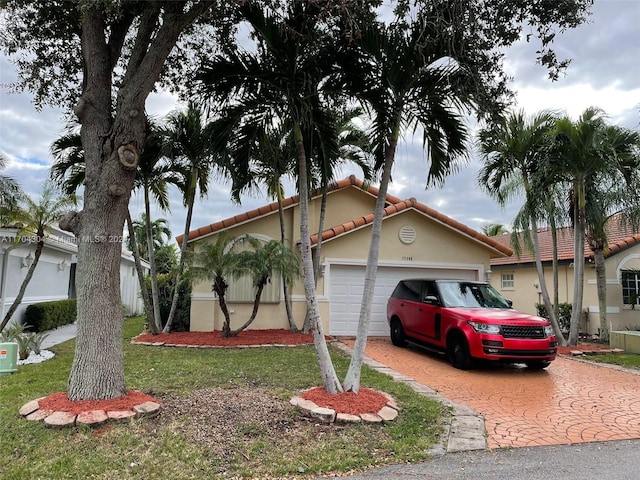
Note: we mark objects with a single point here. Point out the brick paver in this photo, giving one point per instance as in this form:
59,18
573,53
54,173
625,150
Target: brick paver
569,402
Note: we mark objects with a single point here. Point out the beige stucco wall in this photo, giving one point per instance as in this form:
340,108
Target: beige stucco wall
526,291
435,244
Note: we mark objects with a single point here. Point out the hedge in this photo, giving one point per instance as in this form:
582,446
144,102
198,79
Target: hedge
45,316
564,317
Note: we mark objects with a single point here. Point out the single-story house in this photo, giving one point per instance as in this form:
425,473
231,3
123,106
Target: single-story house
516,278
417,241
54,276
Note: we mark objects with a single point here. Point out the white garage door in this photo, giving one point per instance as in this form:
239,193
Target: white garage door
347,284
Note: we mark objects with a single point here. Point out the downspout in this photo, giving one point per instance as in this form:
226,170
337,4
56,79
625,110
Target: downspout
3,276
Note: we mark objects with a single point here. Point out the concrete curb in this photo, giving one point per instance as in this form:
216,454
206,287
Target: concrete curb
465,431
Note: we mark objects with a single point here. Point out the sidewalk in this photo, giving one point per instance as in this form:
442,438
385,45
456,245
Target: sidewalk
59,335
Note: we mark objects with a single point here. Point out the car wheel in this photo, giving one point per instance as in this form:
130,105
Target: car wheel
397,334
538,364
458,352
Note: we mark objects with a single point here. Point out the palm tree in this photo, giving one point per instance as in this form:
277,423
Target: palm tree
400,81
584,150
37,219
605,193
494,229
283,80
218,262
159,231
513,152
10,193
189,142
261,262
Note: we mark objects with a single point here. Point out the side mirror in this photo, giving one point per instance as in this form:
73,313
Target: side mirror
431,300
510,303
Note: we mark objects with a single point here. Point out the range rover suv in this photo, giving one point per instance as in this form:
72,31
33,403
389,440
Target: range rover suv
469,321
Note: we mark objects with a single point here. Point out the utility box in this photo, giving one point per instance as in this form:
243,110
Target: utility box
8,358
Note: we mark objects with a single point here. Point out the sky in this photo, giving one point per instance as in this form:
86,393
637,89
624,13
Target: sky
604,72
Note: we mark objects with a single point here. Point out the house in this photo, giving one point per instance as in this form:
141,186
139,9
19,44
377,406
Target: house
54,276
416,241
516,278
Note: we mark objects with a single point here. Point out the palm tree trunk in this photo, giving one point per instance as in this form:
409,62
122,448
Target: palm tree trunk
23,287
578,262
254,312
285,287
543,284
152,262
316,260
352,379
554,263
151,318
601,282
191,194
327,370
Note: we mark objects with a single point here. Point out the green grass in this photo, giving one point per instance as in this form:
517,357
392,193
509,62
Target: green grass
158,449
628,360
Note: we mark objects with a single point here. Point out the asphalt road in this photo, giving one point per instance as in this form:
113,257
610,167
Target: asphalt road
617,460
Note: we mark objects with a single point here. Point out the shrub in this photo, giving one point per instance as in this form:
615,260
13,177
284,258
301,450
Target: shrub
166,281
564,314
49,315
27,341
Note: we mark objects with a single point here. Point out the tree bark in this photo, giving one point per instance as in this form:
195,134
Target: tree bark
111,142
352,379
578,261
285,288
601,282
143,286
191,196
155,304
327,370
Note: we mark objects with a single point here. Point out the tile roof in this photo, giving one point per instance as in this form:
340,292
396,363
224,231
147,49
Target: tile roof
395,206
621,237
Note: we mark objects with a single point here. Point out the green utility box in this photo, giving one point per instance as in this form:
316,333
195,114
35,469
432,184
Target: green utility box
8,358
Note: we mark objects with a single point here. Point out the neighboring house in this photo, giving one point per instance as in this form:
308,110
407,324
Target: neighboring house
416,242
54,276
516,278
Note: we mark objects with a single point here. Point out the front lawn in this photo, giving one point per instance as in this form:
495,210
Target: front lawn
225,414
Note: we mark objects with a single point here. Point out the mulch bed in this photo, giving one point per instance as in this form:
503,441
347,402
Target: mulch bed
58,402
215,339
365,401
583,347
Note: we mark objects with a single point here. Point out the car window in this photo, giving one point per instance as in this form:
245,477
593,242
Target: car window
473,295
408,290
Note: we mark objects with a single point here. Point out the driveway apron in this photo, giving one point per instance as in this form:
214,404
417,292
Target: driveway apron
569,402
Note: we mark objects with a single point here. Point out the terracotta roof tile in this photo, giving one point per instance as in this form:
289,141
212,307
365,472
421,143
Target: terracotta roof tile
621,237
395,205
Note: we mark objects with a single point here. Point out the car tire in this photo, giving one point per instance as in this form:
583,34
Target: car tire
397,334
458,352
538,364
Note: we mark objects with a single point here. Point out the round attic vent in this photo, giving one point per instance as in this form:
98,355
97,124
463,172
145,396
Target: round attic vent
407,234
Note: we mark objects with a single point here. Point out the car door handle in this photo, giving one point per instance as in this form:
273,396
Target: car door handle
420,309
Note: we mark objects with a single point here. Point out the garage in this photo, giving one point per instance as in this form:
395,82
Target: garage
346,284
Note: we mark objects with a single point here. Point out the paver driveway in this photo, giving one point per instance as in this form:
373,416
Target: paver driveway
569,402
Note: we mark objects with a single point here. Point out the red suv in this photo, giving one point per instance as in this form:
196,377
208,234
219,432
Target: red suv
469,321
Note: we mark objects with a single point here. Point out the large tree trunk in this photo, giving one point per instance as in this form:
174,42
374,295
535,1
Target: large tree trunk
578,262
327,370
601,282
152,262
352,379
148,306
554,263
111,142
23,287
